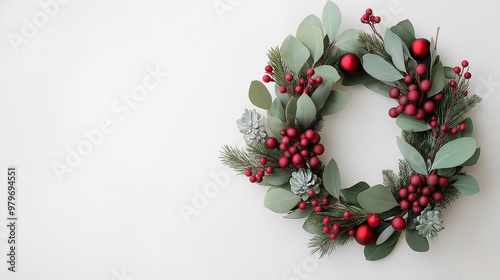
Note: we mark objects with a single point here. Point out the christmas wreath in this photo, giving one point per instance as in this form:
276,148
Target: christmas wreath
283,147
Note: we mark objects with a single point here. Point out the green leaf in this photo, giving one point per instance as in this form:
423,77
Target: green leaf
410,221
379,87
290,112
359,78
298,214
312,38
280,199
277,109
309,226
467,185
349,40
335,102
412,156
394,47
473,159
375,253
294,54
274,123
417,242
331,20
449,73
310,20
447,172
408,123
259,95
380,69
455,153
306,111
407,25
403,34
326,72
392,240
331,178
320,94
470,127
280,176
377,199
437,79
385,235
351,194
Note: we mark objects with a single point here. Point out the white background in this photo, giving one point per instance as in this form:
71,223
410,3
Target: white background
117,214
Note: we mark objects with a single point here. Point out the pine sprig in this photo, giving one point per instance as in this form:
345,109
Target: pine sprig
393,181
237,159
279,68
374,45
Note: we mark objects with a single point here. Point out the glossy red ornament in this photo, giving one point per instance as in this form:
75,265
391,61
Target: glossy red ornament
420,49
350,64
365,235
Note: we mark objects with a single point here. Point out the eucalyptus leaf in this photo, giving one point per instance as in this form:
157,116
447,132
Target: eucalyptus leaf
379,87
410,221
374,253
467,185
351,194
290,112
274,123
473,159
470,127
412,156
380,69
331,20
359,78
280,199
437,79
277,109
259,95
349,40
326,72
294,54
309,226
403,34
298,214
455,153
279,177
310,20
449,73
417,242
408,123
321,93
331,178
335,102
394,47
312,37
377,199
447,172
385,235
393,239
306,111
407,25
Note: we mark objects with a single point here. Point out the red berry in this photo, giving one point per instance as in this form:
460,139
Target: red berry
289,77
416,203
413,96
287,154
283,162
306,91
304,142
333,236
283,133
298,89
351,232
457,70
416,180
408,79
444,128
393,113
421,69
312,82
311,193
403,192
434,124
425,85
433,180
412,189
324,201
286,140
420,114
263,160
313,161
336,228
429,106
365,18
420,49
394,92
462,127
443,181
376,19
398,223
426,191
434,118
283,89
403,100
410,110
304,153
269,170
327,229
453,83
302,81
400,109
326,220
253,179
465,63
347,214
297,159
373,220
317,139
423,200
318,149
417,209
268,68
259,179
260,173
454,130
310,72
369,11
292,150
292,132
302,206
404,204
319,80
438,97
310,134
283,147
317,209
314,202
412,197
412,87
248,172
266,79
437,196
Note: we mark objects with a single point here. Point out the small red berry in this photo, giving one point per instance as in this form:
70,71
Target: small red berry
437,196
298,89
324,201
434,124
310,134
260,173
259,179
293,150
297,159
286,140
438,97
465,63
318,149
403,192
404,204
412,189
365,18
282,89
454,130
443,181
302,206
312,82
393,112
421,69
394,92
306,91
326,220
317,209
313,161
302,81
304,153
408,79
444,128
429,106
412,197
398,223
327,229
289,77
453,83
416,180
311,193
347,214
269,170
263,160
400,109
266,79
253,179
314,202
426,191
319,80
413,96
292,132
416,203
433,180
336,228
283,162
283,133
457,69
268,68
376,19
420,114
411,110
317,139
333,236
283,147
425,85
310,72
423,200
248,172
412,87
403,100
462,127
373,220
304,142
351,232
417,209
369,11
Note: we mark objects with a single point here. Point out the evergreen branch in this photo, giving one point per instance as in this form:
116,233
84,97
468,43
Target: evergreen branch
374,45
238,159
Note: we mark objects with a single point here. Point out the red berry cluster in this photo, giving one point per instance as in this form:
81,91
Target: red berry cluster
298,149
333,229
422,191
317,203
369,17
260,172
462,73
415,102
303,85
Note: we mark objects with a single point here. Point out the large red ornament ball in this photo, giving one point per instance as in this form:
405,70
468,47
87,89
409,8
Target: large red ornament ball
365,235
420,49
350,64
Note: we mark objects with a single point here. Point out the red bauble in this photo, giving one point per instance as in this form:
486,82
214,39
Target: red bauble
350,64
365,235
420,49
